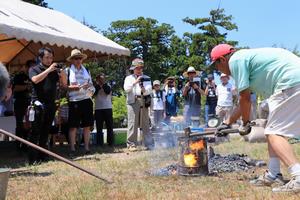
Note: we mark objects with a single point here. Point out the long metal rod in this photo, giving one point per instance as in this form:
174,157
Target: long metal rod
58,157
227,131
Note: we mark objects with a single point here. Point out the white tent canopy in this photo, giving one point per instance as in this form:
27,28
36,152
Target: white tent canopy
24,28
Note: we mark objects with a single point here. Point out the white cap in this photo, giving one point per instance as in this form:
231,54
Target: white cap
156,82
223,75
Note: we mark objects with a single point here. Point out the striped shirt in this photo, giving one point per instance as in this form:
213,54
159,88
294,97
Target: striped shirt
81,78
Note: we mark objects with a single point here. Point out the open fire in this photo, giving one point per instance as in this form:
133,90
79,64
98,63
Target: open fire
193,159
196,159
190,159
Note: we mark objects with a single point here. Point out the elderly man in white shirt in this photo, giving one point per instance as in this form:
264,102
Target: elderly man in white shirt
225,92
138,88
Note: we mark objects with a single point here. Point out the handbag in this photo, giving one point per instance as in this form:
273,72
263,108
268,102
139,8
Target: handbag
147,100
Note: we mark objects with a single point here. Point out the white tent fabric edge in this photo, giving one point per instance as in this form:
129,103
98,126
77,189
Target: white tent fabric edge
56,29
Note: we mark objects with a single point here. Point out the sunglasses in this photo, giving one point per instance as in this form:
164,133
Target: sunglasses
77,58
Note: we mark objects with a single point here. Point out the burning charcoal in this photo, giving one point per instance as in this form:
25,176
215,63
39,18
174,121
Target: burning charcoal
231,163
216,163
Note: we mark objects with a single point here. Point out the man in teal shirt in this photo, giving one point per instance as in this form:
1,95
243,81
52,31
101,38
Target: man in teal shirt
275,74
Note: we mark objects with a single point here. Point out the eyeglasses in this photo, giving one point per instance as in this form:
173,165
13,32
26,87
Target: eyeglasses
77,58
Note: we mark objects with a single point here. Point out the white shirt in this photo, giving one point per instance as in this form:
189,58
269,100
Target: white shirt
135,90
158,101
79,76
103,100
225,94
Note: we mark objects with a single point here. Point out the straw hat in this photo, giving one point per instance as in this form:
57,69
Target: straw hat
76,53
171,78
189,70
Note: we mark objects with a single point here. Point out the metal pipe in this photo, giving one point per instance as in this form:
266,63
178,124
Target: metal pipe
227,131
58,157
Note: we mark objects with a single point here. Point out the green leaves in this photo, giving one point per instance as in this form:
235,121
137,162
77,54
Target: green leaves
147,39
212,30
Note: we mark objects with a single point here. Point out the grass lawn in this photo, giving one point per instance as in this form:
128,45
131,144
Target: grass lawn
128,171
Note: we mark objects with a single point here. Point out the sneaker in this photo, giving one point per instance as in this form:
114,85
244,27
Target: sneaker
292,186
143,148
72,154
266,180
132,148
87,152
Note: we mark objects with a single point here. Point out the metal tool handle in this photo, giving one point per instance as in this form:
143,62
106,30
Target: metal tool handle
58,157
226,131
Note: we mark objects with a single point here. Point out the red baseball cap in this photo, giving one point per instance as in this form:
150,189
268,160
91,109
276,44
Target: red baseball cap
220,50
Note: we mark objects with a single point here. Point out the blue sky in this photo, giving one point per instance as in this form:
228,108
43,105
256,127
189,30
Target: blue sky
261,22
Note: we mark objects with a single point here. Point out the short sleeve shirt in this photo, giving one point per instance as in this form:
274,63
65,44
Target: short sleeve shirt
44,91
265,70
158,99
225,95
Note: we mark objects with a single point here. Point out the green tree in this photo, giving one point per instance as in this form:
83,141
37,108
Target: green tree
147,39
38,2
178,60
212,30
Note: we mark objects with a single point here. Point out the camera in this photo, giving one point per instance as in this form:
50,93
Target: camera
195,80
180,82
60,65
171,83
144,79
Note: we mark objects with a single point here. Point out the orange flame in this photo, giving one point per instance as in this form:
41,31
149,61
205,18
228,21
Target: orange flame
198,145
190,160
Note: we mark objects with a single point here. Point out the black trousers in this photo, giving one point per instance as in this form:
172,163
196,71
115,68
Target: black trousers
20,108
101,116
212,109
40,129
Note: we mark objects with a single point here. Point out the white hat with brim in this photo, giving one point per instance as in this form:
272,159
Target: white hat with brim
76,53
137,62
189,70
156,82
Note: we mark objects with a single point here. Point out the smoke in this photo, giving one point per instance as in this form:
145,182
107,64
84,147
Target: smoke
165,145
4,80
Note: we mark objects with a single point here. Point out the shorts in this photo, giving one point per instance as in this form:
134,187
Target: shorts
284,113
81,113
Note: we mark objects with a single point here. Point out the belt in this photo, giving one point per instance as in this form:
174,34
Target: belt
138,96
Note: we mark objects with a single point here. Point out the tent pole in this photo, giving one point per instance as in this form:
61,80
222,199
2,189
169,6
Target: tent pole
8,39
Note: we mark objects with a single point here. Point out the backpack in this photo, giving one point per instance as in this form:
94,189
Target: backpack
171,104
160,93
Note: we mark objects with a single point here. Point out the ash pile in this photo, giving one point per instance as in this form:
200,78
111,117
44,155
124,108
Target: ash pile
217,164
232,163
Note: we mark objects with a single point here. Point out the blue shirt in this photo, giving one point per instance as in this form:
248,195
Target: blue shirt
265,70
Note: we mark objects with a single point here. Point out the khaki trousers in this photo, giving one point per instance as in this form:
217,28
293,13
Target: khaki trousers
223,112
138,117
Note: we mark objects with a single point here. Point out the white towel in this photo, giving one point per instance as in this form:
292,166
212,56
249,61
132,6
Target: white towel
72,76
